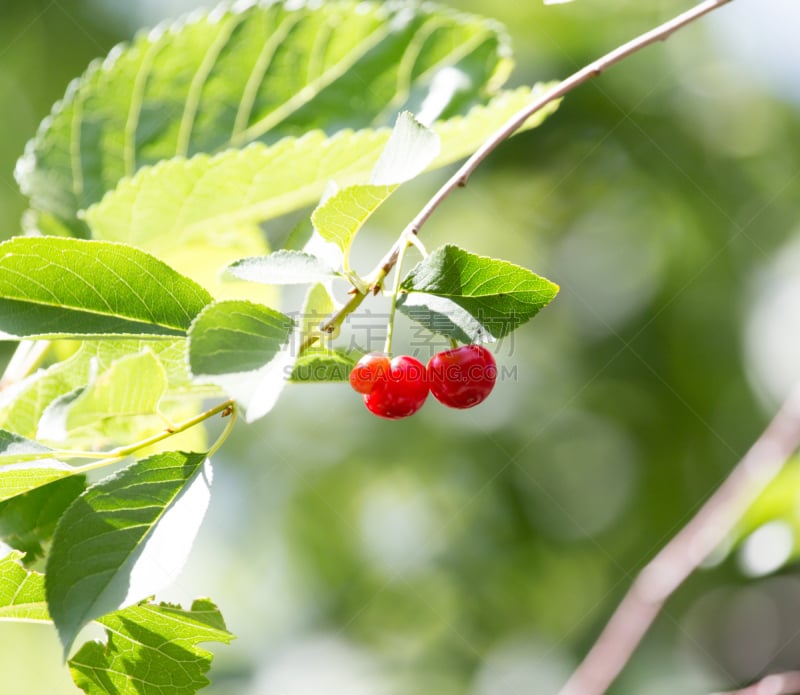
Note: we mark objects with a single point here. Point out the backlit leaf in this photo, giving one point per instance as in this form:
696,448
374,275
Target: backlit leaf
125,538
254,72
58,287
282,267
261,182
22,595
320,364
246,349
154,645
19,478
27,521
497,294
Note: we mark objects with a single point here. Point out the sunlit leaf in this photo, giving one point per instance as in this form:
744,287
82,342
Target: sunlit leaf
282,267
22,407
27,521
340,217
409,151
22,596
154,645
58,287
320,364
258,72
125,538
497,294
263,182
246,349
317,306
14,448
19,478
203,258
133,385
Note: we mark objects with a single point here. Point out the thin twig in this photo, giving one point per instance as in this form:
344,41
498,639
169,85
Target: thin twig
460,178
774,684
684,553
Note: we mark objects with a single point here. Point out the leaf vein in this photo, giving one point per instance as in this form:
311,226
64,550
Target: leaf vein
198,82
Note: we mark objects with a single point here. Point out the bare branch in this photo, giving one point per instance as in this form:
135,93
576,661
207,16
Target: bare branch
460,178
684,553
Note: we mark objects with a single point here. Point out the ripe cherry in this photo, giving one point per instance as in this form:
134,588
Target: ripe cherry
462,377
400,391
368,370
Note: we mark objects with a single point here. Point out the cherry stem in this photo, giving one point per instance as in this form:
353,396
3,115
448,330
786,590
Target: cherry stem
395,291
106,458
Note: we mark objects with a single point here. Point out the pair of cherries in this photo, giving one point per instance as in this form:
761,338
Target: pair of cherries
396,388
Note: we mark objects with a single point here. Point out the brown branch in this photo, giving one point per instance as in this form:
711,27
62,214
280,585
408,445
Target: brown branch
774,684
460,178
684,553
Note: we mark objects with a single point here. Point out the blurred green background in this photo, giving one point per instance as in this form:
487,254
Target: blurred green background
480,552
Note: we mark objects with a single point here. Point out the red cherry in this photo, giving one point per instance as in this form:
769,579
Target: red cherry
462,377
401,390
368,370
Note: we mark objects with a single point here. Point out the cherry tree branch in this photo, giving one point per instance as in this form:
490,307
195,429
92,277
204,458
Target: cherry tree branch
598,67
775,684
684,553
460,178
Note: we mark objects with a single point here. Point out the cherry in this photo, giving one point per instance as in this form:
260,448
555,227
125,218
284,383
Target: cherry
367,371
462,377
400,391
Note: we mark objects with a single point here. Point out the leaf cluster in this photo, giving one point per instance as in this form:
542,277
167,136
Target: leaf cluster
147,282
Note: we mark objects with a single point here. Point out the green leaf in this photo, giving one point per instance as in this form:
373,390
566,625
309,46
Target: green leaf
244,348
317,306
27,521
409,151
19,478
53,287
132,386
204,256
339,218
125,538
14,449
775,511
262,182
155,646
499,295
22,597
282,267
230,189
444,317
460,136
320,364
22,407
257,73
